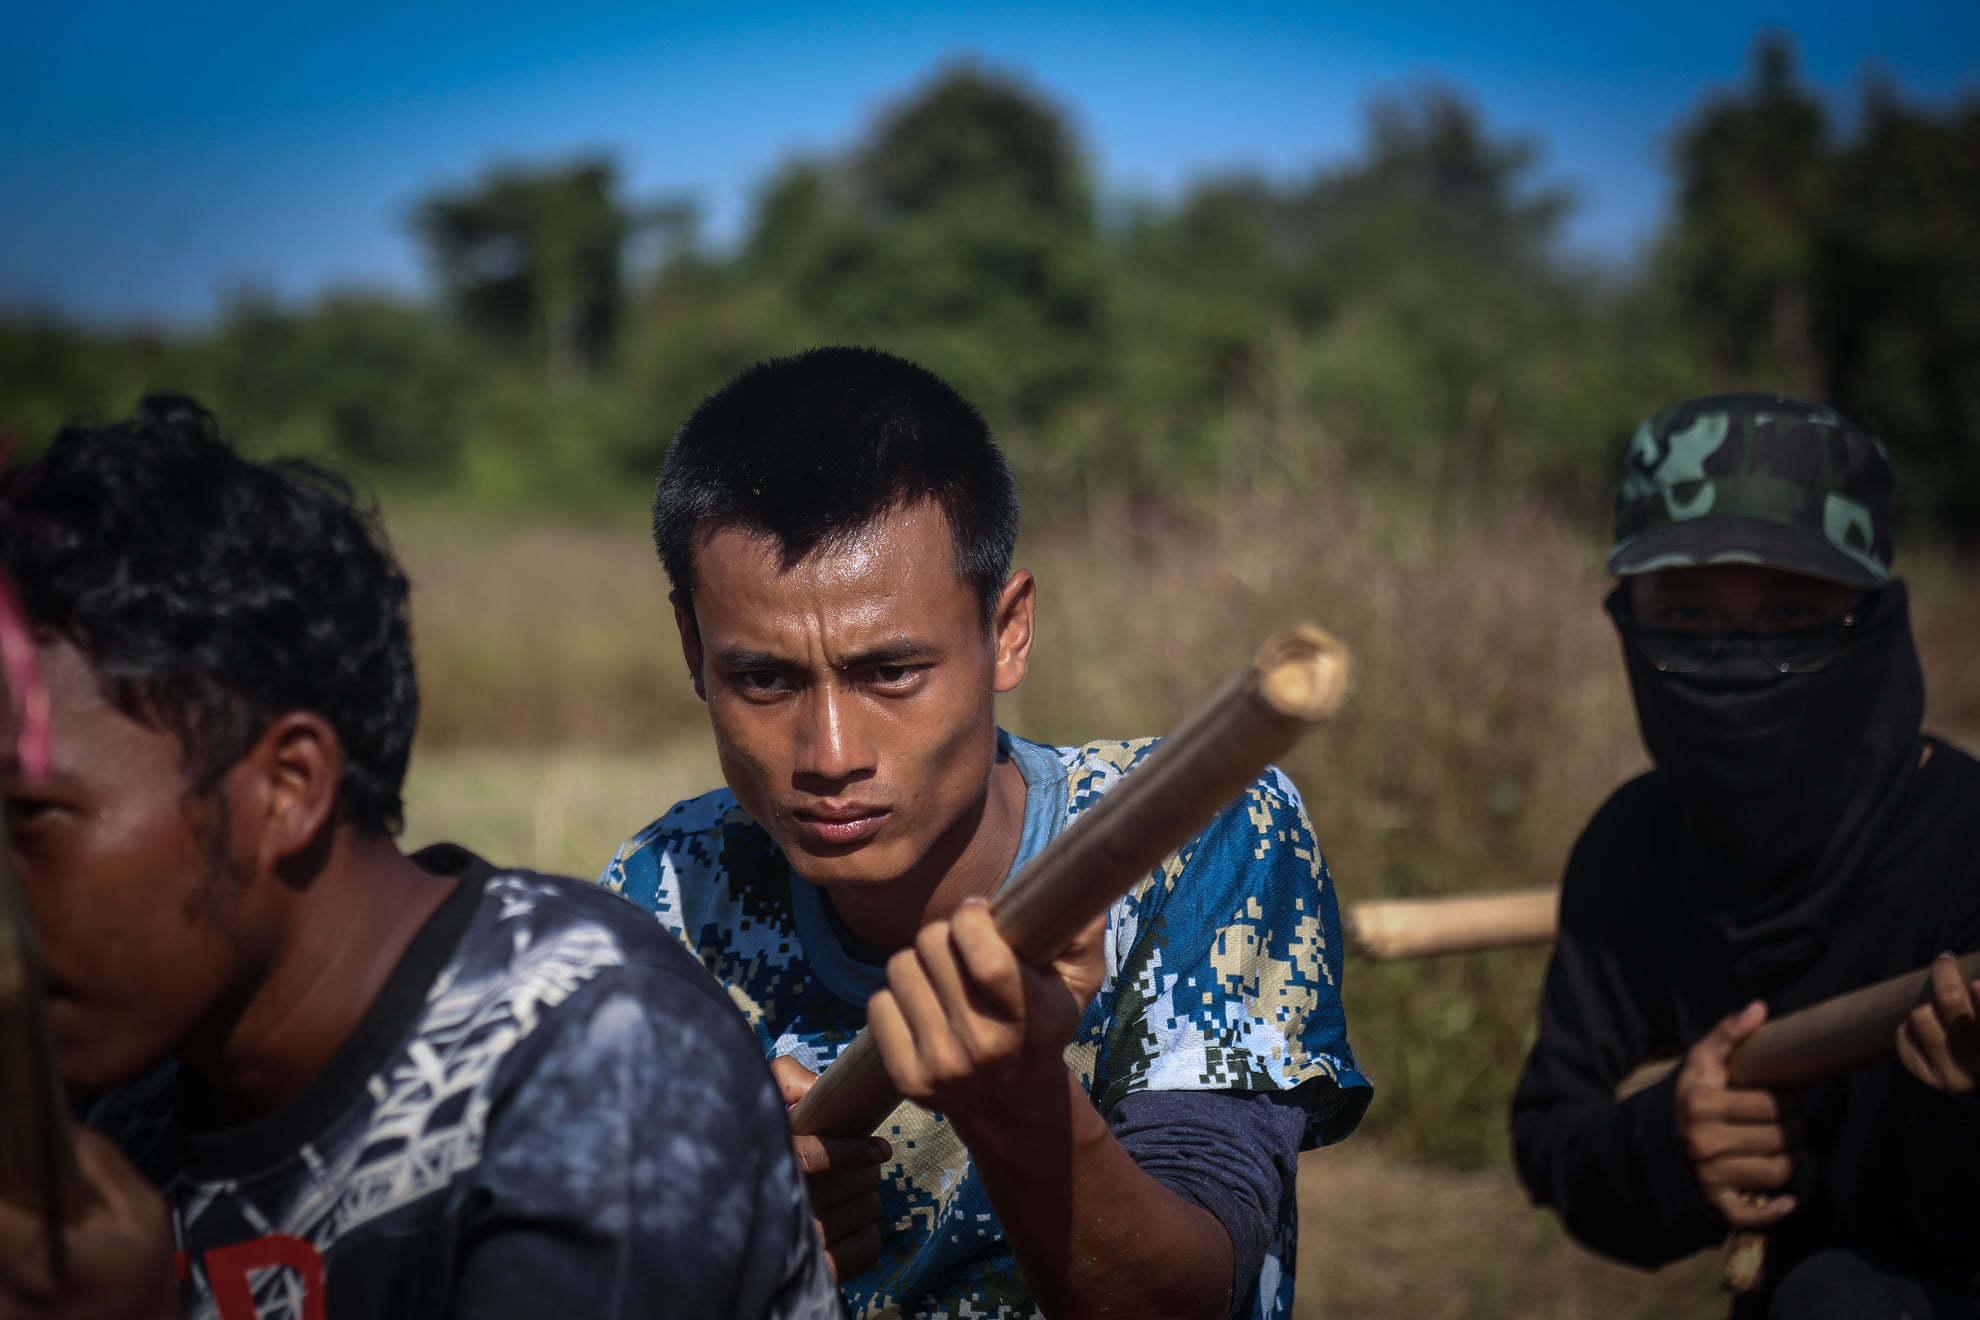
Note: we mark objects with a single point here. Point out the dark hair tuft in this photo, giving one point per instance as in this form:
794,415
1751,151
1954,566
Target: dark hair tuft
213,594
810,449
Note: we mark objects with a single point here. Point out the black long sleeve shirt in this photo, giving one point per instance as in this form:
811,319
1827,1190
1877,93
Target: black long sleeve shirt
1887,1163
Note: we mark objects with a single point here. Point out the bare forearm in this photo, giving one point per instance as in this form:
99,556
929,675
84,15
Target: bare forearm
1093,1234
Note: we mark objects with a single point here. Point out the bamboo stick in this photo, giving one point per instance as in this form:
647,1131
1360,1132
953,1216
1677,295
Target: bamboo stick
1821,1040
1390,929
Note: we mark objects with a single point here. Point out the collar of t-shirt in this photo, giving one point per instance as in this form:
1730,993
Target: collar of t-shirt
263,1143
854,970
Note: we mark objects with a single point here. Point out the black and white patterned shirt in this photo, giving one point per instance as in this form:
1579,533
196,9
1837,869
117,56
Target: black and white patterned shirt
549,1109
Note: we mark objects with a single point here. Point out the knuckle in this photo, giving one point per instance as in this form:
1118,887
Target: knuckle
949,1062
971,1044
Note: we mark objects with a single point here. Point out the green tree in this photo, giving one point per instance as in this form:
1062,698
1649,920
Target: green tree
1757,191
1899,299
373,384
960,231
533,259
1846,271
1408,307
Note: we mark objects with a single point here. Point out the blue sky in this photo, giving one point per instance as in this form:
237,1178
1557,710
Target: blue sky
156,160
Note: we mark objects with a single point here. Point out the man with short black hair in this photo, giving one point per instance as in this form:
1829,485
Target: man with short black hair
1118,1135
352,1083
1798,838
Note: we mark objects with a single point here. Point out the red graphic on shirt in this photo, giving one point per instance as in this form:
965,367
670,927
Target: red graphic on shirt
228,1268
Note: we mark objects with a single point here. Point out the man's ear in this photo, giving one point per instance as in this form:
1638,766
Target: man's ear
683,604
1011,626
285,788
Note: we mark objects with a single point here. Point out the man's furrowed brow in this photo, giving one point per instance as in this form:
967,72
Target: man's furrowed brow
901,651
742,659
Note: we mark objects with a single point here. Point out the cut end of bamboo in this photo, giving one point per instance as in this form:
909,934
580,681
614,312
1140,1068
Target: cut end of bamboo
1303,673
1746,1263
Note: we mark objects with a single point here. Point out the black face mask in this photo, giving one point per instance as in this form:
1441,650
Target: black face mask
1788,779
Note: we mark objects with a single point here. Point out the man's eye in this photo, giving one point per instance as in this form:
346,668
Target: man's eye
1793,616
759,681
1680,618
894,677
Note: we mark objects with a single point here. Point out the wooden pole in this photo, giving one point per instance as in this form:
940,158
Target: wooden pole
1297,679
1821,1040
1390,929
1806,1046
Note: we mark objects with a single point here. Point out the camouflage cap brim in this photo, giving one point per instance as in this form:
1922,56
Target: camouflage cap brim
1724,540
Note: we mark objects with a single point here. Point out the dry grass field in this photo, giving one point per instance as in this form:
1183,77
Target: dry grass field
1490,718
1383,1236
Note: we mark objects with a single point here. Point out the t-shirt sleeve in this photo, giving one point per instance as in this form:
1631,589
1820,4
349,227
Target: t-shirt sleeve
1229,971
1235,1154
637,1162
1614,1170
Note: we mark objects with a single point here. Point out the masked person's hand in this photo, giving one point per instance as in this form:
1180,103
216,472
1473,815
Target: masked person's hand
1738,1139
966,1029
842,1174
119,1255
1939,1043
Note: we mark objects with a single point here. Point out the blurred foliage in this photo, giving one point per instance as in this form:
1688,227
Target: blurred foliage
1407,316
1380,394
532,260
1846,270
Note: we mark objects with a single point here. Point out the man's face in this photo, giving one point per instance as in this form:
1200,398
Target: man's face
1745,598
132,904
852,696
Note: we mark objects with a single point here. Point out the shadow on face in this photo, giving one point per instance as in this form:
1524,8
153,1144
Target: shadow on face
129,888
1747,598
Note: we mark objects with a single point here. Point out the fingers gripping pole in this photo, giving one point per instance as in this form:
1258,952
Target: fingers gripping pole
1298,679
1806,1046
1818,1041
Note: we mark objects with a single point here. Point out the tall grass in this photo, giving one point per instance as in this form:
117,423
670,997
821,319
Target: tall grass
1490,716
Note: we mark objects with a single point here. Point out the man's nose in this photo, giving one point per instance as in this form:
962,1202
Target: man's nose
831,741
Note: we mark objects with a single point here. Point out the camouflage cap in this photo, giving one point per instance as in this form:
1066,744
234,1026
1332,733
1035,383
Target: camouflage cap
1756,479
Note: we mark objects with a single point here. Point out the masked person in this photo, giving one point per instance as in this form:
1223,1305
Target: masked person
322,1078
1117,1135
1798,838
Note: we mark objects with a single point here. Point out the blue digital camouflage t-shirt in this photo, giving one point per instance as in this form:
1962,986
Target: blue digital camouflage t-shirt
1223,973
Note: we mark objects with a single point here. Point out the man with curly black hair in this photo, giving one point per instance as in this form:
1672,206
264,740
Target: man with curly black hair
341,1081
